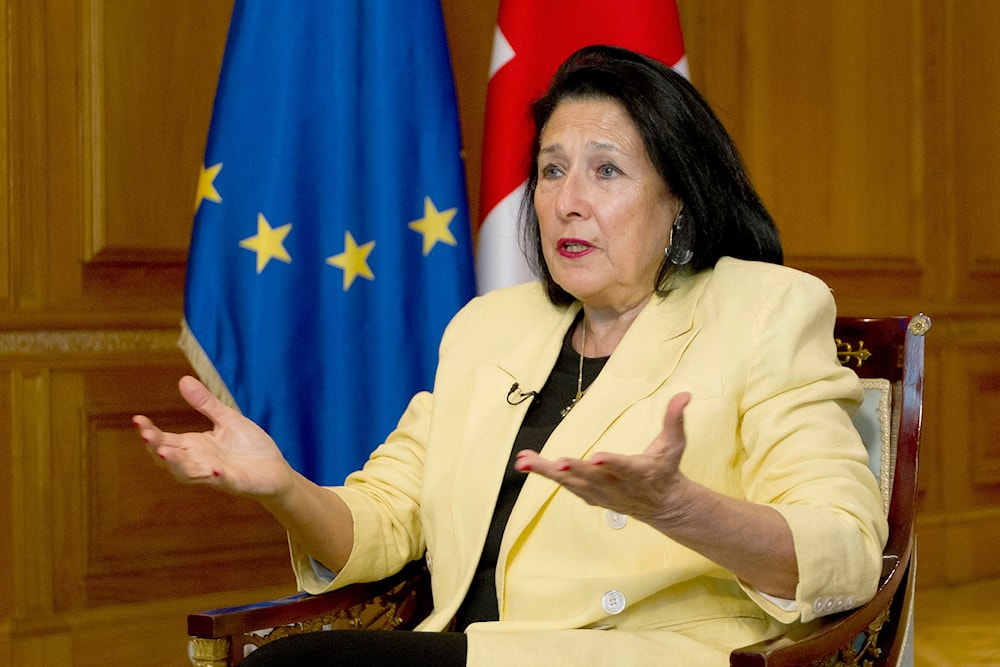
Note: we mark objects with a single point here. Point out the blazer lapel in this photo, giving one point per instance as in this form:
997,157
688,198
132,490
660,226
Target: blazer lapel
492,423
643,361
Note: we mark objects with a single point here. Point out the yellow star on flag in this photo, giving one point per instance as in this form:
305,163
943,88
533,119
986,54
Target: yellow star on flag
354,260
206,186
268,243
434,225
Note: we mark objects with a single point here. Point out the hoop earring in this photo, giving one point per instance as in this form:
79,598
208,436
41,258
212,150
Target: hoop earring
680,250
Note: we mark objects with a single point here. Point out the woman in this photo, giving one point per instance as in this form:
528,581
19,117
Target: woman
701,485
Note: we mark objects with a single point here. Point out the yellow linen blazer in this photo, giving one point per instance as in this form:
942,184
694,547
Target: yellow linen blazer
769,422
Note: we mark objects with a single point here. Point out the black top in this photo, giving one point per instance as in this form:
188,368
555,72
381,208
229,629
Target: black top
544,414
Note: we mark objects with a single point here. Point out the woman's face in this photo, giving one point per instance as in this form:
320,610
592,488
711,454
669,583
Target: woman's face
604,213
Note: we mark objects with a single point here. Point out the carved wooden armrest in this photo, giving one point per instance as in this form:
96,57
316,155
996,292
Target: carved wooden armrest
218,637
852,637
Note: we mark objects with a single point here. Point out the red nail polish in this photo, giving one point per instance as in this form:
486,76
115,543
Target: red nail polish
216,473
161,456
525,468
144,438
563,468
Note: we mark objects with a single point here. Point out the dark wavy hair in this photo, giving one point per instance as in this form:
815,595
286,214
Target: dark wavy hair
688,146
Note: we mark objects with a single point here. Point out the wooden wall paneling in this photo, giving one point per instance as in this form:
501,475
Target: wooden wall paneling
121,196
6,102
38,631
127,531
976,100
31,592
958,525
148,64
66,486
984,410
27,228
152,634
102,538
61,160
7,461
971,469
831,106
149,537
936,196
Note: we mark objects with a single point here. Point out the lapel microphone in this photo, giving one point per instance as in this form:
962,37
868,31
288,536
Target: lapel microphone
521,397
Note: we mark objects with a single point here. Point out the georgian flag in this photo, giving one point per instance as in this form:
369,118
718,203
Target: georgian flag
531,40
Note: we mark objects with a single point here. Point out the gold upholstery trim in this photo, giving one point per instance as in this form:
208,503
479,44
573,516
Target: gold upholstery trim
887,439
846,352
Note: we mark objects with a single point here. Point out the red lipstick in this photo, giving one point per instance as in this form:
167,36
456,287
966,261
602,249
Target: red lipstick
573,248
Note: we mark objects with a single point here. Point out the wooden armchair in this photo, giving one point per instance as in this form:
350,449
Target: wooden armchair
887,353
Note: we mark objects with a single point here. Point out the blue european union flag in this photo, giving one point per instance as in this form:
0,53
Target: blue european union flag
331,241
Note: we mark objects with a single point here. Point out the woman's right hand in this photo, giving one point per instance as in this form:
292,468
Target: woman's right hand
236,456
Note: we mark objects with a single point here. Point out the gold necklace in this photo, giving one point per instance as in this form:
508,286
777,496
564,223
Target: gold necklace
579,375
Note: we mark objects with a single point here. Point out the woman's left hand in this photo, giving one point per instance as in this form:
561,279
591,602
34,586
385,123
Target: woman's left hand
642,486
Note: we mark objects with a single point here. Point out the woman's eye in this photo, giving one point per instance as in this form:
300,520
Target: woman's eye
550,171
608,171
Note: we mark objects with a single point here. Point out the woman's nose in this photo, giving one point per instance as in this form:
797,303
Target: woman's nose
571,197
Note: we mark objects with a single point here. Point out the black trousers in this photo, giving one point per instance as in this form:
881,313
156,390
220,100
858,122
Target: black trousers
370,648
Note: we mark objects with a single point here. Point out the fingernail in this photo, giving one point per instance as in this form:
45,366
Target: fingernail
564,467
525,468
216,473
598,463
144,438
161,456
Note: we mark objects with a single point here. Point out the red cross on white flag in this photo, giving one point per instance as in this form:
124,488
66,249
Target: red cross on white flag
532,38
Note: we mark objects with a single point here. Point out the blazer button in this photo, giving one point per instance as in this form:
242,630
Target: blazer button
613,602
615,520
819,605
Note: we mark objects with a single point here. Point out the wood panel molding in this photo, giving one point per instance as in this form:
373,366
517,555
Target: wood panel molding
6,104
139,185
983,380
32,587
958,546
975,89
151,538
92,116
25,141
79,343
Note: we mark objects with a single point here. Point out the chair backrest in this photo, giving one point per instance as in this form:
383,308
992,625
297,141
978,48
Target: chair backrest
888,355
